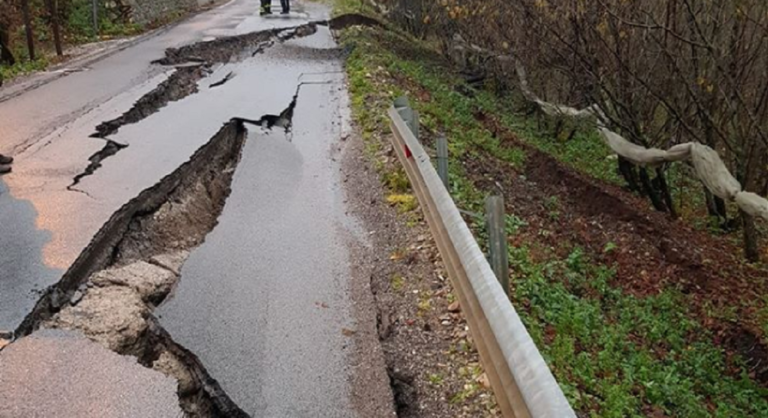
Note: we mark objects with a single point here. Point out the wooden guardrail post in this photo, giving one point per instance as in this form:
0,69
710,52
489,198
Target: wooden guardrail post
442,159
410,116
495,218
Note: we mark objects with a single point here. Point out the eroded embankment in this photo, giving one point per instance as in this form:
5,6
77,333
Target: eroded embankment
657,253
133,263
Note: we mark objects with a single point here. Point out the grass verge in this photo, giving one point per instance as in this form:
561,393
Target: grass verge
615,354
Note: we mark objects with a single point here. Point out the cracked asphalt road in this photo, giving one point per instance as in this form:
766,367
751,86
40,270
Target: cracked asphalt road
44,226
266,303
276,323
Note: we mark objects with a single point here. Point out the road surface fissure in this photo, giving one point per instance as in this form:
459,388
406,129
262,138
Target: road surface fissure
153,227
133,264
181,84
184,83
110,148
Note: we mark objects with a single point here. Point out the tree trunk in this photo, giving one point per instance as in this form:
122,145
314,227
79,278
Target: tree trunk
663,188
53,9
650,191
716,208
6,56
751,249
629,173
28,27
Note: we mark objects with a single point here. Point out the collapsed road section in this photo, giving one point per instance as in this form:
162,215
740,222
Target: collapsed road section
236,48
134,262
299,351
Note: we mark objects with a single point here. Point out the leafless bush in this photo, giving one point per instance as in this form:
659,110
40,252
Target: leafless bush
664,71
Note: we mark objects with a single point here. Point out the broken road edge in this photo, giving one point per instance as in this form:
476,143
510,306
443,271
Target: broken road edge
217,157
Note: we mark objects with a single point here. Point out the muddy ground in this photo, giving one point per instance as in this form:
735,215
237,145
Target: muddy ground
654,252
434,370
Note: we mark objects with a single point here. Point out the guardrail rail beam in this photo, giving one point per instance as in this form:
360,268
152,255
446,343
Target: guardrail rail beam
522,382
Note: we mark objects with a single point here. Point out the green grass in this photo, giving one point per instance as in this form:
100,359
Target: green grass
22,67
341,7
615,355
620,356
585,152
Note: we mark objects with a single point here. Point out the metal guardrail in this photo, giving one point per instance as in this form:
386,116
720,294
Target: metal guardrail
521,380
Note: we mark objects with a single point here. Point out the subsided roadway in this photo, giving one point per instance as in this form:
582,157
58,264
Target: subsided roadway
44,226
270,289
266,303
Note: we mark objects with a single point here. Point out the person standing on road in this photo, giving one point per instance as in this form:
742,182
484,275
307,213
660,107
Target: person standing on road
286,6
5,164
266,7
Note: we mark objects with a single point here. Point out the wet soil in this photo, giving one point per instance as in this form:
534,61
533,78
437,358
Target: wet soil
431,363
654,252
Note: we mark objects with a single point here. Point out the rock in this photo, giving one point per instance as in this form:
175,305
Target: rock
112,316
484,381
170,365
172,261
56,299
151,282
76,297
454,307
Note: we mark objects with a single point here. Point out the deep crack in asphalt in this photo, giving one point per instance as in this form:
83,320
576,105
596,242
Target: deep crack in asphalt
166,220
230,75
110,148
181,84
170,218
